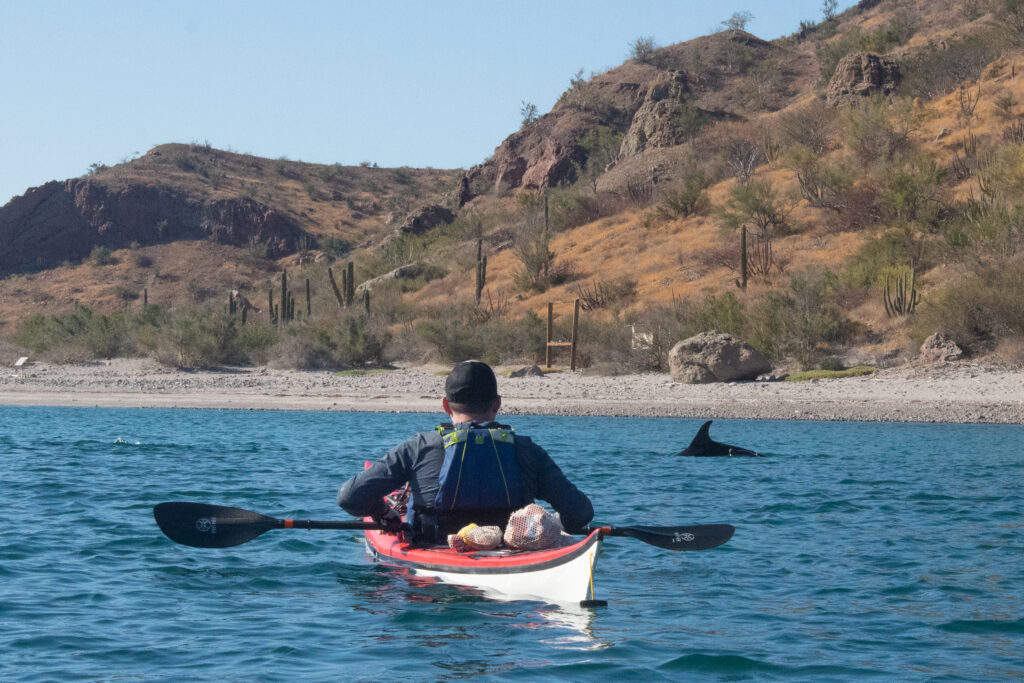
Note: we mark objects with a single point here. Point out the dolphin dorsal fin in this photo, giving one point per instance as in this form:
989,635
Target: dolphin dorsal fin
702,436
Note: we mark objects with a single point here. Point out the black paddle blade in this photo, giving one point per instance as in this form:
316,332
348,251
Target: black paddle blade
210,526
695,537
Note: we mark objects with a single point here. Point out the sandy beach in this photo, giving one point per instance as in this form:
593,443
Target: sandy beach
956,392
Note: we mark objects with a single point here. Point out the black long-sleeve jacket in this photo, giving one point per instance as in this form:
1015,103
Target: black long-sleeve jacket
418,461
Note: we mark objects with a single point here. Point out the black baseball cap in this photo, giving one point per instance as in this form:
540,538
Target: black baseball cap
471,383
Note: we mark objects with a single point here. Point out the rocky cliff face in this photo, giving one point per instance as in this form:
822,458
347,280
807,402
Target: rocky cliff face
647,104
859,75
64,221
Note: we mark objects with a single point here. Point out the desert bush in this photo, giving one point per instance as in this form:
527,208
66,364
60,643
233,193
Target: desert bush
198,338
880,40
583,95
456,335
824,184
100,256
77,334
336,247
1003,178
685,198
859,210
912,192
877,130
983,231
605,293
939,70
755,203
978,310
813,126
895,247
800,323
642,49
352,341
571,207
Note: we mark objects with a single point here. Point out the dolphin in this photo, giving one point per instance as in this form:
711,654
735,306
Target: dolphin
702,445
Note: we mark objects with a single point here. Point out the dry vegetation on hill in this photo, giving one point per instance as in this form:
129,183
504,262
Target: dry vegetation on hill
632,194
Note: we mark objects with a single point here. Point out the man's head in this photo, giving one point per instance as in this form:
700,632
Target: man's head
471,389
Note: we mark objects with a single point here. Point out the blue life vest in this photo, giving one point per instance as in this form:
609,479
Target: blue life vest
480,472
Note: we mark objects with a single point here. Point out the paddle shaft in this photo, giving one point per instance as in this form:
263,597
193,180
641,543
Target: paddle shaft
201,525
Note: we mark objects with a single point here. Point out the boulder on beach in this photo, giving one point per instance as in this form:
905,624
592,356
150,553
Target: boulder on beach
715,357
528,371
939,348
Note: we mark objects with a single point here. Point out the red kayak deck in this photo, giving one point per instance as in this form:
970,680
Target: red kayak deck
393,548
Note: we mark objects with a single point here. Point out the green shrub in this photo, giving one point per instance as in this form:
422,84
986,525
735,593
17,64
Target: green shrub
685,198
456,336
939,70
91,335
642,49
896,247
877,130
912,192
824,184
806,375
352,341
755,203
100,256
879,40
978,310
199,338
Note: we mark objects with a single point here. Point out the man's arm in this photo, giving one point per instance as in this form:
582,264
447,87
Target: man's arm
572,506
363,494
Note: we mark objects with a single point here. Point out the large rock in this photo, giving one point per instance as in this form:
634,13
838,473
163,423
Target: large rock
939,348
715,357
861,74
656,122
426,218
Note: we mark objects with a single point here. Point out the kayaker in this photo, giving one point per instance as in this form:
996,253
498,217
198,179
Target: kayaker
472,469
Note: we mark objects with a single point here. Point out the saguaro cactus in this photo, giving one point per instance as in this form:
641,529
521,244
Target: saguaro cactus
481,269
350,284
900,296
742,281
284,317
309,303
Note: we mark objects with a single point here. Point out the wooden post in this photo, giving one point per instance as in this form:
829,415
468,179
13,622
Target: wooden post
547,347
575,330
334,286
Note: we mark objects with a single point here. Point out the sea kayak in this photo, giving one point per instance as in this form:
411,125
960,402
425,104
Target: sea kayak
562,575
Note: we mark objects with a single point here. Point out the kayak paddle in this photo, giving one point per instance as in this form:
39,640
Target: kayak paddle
694,537
214,526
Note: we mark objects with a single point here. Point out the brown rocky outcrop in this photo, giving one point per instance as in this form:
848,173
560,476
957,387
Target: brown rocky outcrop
861,74
62,221
656,121
425,219
715,357
939,348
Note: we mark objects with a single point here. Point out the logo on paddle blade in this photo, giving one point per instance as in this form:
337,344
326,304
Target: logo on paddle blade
207,525
680,537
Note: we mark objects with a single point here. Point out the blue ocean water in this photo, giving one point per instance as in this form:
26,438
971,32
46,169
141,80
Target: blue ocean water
862,551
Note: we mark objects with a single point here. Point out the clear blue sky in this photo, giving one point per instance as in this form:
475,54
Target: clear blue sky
396,83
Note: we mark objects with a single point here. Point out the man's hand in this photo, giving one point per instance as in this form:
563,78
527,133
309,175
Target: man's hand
391,521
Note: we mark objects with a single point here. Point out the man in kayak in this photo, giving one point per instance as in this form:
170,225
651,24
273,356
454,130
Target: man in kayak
469,470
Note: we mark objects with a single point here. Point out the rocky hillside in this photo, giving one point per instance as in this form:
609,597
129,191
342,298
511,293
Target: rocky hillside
853,147
192,192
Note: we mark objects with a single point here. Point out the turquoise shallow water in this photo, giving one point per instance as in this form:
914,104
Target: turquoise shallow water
874,551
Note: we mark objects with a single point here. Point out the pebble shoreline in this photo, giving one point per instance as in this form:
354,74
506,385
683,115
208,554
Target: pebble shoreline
955,392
